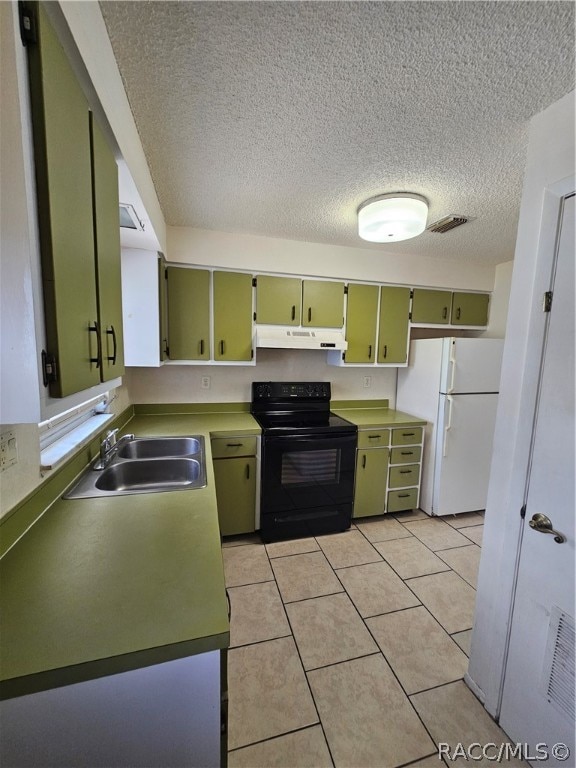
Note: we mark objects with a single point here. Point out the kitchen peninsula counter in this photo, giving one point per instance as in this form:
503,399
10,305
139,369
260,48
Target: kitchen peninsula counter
104,585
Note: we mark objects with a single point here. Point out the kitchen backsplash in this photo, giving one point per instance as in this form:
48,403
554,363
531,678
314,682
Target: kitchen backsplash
183,383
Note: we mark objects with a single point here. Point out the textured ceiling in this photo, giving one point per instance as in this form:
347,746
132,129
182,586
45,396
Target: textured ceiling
280,118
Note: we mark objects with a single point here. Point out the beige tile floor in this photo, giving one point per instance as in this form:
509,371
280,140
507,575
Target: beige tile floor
349,650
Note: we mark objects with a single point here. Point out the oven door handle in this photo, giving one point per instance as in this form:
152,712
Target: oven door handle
329,438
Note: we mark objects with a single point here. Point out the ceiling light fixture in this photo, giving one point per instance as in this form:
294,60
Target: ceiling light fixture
392,217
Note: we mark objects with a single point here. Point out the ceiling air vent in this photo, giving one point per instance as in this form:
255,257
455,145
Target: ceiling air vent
448,223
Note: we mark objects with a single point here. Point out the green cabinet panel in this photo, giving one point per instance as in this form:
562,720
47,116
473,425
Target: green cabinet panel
373,438
407,436
232,316
188,313
470,308
107,246
361,316
322,303
407,474
236,494
61,132
278,300
371,477
163,309
406,455
400,501
431,306
393,324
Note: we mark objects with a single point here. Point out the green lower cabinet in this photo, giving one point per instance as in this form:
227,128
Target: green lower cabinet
361,312
431,306
402,500
371,477
393,324
232,316
236,494
470,308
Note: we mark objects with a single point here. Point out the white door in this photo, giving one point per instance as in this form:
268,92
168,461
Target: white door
464,436
538,696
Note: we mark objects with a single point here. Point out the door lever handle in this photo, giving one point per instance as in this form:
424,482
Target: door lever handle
543,524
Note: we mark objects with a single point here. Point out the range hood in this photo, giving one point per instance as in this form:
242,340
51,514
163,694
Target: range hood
299,338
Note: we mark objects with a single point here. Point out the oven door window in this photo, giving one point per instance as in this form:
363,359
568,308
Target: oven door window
310,467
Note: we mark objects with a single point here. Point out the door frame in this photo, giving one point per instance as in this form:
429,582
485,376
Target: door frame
523,350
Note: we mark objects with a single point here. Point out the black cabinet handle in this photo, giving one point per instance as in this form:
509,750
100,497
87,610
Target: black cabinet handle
374,437
458,314
364,461
222,347
95,329
408,434
445,313
201,346
405,471
247,471
309,314
293,311
403,495
112,332
385,351
370,352
406,453
234,445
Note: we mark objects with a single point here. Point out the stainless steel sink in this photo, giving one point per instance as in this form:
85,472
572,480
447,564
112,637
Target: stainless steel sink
159,447
147,475
146,465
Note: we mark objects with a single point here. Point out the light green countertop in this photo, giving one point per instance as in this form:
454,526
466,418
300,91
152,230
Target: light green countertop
99,586
366,418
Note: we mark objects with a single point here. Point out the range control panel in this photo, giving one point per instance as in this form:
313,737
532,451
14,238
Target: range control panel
296,390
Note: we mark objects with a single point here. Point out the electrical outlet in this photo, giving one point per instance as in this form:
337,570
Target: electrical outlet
205,382
367,381
8,450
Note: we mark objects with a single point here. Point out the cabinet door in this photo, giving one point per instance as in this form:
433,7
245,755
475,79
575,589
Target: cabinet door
232,316
371,476
61,132
278,300
189,313
107,246
322,303
431,306
236,495
393,324
470,308
361,321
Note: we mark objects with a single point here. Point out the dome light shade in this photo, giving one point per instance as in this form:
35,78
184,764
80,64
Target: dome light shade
393,217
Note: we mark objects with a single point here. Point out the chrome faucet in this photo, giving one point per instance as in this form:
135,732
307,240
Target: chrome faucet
109,447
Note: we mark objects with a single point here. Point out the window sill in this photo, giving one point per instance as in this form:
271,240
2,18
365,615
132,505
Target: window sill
58,452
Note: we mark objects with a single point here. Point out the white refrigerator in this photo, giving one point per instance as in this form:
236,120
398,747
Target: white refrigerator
453,383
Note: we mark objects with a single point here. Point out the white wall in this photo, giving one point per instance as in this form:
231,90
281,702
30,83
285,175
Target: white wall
500,301
182,383
267,254
549,174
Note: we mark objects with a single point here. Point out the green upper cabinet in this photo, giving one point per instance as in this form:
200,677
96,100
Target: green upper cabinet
107,246
431,306
61,131
232,316
393,324
470,308
77,192
188,313
278,300
361,316
322,303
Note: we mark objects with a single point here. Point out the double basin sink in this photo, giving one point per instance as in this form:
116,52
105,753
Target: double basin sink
146,465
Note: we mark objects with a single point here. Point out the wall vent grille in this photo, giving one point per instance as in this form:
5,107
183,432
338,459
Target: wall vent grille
558,674
447,223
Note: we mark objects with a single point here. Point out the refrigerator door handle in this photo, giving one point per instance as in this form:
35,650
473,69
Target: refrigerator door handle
450,401
452,360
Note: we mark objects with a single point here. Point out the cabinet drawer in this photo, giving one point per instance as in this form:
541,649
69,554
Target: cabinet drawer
399,501
407,474
228,447
407,436
406,455
373,438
